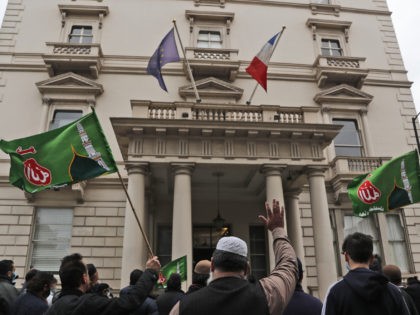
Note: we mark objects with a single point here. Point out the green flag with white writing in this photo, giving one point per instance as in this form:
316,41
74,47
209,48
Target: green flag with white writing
393,185
175,266
56,158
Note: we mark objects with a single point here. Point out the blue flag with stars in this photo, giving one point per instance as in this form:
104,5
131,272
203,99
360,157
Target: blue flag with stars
165,53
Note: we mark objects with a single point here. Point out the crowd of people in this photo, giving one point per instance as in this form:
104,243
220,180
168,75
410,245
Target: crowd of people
222,286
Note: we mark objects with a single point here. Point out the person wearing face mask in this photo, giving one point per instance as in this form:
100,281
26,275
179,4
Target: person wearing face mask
8,292
34,301
362,291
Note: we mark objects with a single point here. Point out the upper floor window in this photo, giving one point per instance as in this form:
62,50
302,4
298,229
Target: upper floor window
347,142
209,39
323,1
51,240
331,47
81,34
64,117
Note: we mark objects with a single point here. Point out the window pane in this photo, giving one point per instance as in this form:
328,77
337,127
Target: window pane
347,142
64,117
164,244
52,237
87,40
367,226
258,257
396,240
74,39
76,30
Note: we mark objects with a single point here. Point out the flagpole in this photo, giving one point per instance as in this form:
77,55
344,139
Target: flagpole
197,97
135,215
275,46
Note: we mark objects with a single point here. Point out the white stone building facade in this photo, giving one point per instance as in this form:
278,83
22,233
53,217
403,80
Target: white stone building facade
337,64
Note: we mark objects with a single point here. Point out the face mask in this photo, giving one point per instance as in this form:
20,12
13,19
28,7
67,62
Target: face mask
14,277
348,266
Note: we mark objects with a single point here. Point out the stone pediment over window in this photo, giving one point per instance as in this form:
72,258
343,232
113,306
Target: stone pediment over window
70,87
212,89
82,10
219,3
343,95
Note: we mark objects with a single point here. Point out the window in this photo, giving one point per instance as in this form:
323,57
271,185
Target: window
64,117
258,250
367,226
396,241
323,1
205,238
52,236
347,142
81,34
331,47
209,39
164,244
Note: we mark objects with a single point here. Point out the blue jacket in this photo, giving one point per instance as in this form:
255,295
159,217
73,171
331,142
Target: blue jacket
303,304
29,304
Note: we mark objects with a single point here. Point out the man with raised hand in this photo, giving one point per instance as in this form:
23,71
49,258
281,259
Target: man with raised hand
230,292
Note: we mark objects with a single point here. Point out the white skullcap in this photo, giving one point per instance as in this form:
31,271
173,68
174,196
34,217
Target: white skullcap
232,244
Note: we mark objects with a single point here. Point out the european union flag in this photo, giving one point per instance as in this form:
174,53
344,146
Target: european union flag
165,53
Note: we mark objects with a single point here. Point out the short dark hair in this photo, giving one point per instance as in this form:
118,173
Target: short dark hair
199,278
30,274
358,246
71,271
91,270
174,282
38,282
6,265
227,261
135,276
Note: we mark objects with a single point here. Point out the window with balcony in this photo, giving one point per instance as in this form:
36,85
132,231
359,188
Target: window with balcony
331,47
64,117
209,39
81,34
347,142
51,239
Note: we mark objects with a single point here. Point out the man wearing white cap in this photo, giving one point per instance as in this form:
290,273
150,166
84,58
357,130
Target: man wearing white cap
230,293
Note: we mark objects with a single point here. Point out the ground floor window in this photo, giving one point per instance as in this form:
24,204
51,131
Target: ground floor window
52,236
258,251
205,238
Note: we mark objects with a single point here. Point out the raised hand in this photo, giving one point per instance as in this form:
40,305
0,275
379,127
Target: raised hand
275,217
153,263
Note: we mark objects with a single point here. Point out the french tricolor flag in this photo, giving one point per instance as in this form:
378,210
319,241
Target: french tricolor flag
258,67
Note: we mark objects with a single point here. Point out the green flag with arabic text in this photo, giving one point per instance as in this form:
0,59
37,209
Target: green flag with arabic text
175,266
393,185
56,158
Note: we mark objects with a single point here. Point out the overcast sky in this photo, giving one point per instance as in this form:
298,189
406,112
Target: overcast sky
405,14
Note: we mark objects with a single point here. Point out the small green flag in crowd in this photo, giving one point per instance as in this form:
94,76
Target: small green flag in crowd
175,266
394,184
66,155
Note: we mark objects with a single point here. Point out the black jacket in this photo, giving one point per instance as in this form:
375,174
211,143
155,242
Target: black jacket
8,295
226,296
167,300
413,290
74,302
364,292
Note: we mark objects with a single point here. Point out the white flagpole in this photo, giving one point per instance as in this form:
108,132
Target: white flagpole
197,97
275,45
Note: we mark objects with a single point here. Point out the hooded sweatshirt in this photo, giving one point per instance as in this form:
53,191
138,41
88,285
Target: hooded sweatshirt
363,292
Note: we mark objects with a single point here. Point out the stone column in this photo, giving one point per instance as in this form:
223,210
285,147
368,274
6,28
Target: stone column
295,226
324,251
134,254
182,215
274,190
